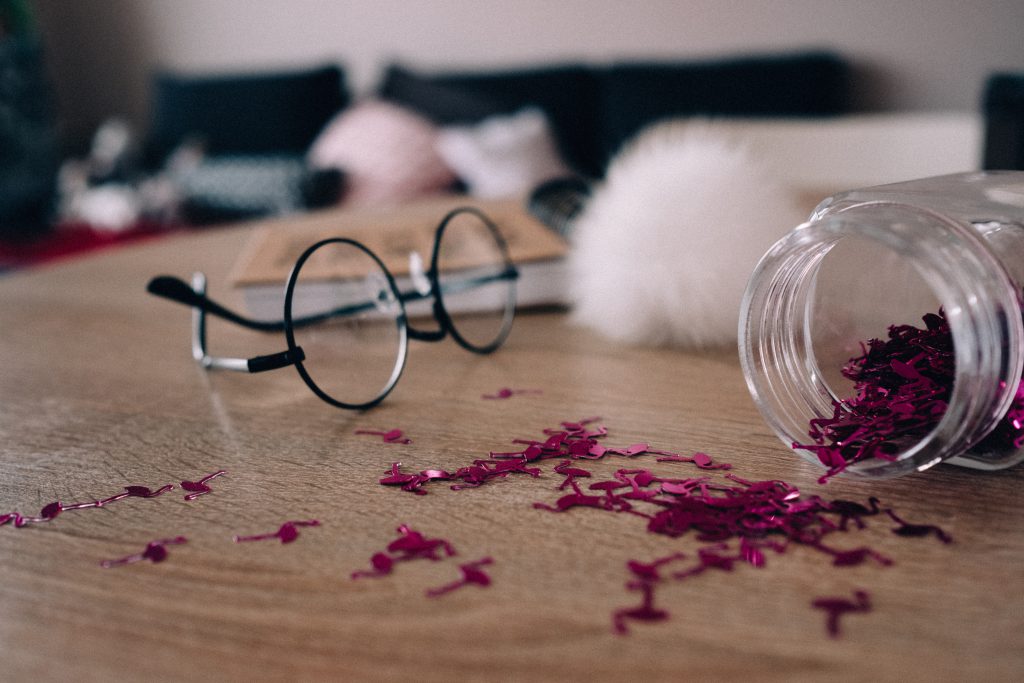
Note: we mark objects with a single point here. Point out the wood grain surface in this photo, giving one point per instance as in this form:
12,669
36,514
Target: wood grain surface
98,391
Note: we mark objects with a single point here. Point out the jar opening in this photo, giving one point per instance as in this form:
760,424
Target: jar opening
834,284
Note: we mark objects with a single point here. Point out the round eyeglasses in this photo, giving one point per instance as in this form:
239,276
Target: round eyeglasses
346,316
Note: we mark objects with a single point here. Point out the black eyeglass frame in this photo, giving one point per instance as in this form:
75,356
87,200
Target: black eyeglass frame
195,296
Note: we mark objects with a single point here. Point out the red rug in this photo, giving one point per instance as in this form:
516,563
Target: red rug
74,239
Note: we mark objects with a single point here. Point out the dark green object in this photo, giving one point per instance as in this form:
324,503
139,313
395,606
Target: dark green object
1004,122
28,157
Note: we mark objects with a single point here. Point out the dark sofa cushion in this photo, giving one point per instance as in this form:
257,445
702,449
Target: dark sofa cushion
567,95
1004,122
28,137
260,113
633,95
436,97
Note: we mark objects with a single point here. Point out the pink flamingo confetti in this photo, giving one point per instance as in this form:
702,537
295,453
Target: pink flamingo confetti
573,441
287,532
155,551
908,529
390,436
52,510
737,520
646,575
410,545
902,388
837,607
199,487
472,574
506,392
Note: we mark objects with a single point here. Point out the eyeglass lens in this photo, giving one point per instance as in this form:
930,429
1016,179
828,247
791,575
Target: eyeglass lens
475,289
355,351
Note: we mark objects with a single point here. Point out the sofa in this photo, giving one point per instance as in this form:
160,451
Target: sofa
245,122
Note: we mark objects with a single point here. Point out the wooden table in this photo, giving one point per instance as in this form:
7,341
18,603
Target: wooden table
98,391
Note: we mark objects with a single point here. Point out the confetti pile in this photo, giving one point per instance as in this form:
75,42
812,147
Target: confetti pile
902,387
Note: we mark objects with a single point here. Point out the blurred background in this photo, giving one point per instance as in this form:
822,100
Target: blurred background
81,64
906,54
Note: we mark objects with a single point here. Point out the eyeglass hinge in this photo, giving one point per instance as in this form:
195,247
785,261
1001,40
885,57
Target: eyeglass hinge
276,360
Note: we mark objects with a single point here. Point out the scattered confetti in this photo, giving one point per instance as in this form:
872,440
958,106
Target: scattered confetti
199,488
155,551
287,533
471,574
505,392
837,607
574,441
390,436
737,521
410,545
52,510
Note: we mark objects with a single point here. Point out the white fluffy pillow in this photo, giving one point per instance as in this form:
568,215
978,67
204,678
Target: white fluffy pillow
665,246
502,156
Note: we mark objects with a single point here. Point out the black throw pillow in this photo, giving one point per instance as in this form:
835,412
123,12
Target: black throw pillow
258,113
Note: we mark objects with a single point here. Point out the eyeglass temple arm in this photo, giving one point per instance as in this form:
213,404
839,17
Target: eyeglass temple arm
195,296
178,290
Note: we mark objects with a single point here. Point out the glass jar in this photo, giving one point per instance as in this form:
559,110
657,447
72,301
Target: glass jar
867,259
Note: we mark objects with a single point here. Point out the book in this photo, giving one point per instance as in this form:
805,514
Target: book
392,233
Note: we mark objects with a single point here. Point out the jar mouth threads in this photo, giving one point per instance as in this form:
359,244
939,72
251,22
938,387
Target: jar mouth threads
800,314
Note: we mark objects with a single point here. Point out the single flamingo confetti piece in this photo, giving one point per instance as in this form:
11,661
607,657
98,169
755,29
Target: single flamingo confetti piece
471,575
52,510
646,611
287,533
390,436
854,557
907,529
648,571
410,545
155,551
852,510
506,392
199,488
837,607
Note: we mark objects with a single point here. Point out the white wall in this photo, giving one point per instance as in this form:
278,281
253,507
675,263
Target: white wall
909,54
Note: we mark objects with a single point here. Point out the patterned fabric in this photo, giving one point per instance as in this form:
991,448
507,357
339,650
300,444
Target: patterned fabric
387,153
246,185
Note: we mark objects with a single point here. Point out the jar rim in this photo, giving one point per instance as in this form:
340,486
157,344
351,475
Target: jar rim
981,302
